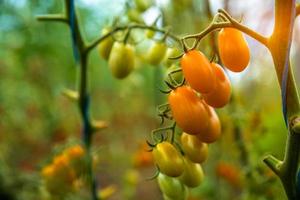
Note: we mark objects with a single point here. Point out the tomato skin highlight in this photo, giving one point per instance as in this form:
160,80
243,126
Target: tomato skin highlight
213,131
188,110
192,175
157,53
198,71
233,49
104,48
121,60
172,188
168,159
220,96
194,149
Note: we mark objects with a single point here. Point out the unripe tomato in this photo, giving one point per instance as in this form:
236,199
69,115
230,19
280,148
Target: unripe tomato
105,46
188,110
192,175
171,53
156,53
198,71
193,148
143,5
172,188
168,159
176,76
213,131
134,15
220,96
233,49
149,34
121,59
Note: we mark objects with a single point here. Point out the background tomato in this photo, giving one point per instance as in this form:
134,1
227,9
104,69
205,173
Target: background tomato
168,159
156,53
198,71
192,175
213,131
188,110
105,46
171,53
220,96
233,49
143,5
193,148
121,60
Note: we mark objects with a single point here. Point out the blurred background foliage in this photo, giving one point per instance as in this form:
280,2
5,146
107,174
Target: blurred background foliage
37,121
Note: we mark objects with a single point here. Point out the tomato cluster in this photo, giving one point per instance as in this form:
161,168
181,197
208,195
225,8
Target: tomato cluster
60,176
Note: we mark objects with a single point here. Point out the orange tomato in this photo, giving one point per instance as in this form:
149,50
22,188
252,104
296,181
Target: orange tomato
220,96
193,148
230,173
188,110
233,49
213,131
198,71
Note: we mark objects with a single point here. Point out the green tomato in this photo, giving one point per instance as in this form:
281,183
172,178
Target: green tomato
193,148
168,159
192,175
105,46
149,34
178,77
121,60
157,53
134,16
143,5
171,53
172,188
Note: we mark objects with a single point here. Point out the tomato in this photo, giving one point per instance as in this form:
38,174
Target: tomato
230,173
143,5
213,131
171,53
134,15
172,188
192,175
76,157
233,49
193,148
188,110
168,159
121,60
176,76
198,71
156,53
149,33
220,96
105,45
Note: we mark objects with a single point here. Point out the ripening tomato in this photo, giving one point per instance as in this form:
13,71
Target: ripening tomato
188,110
220,96
105,46
172,188
192,175
233,49
156,53
168,159
213,131
194,149
198,71
121,60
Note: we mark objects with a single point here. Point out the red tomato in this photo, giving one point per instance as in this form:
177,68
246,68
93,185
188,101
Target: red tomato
220,96
198,71
188,110
233,49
